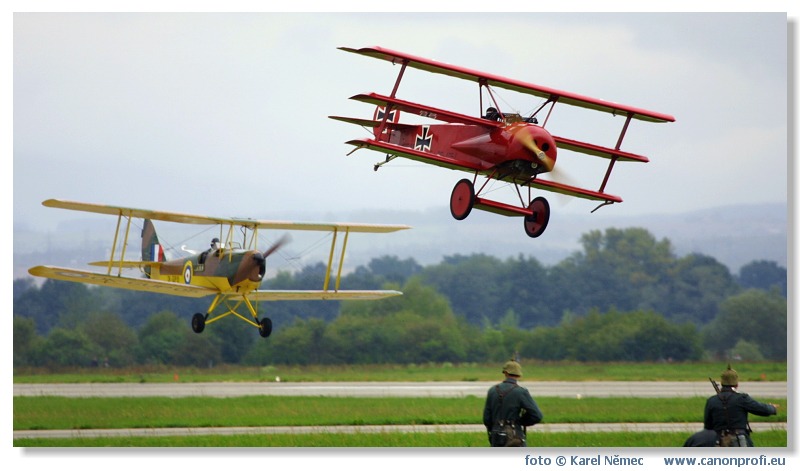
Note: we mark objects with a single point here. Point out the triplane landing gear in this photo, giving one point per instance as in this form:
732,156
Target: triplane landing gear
200,320
536,223
535,216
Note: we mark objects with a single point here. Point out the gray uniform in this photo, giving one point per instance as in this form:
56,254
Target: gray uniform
512,404
728,411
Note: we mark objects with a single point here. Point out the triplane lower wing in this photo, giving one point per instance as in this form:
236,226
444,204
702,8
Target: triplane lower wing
230,270
498,146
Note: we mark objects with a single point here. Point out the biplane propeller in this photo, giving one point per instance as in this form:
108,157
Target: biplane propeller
231,271
497,146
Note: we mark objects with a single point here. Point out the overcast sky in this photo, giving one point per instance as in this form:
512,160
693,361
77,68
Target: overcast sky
226,114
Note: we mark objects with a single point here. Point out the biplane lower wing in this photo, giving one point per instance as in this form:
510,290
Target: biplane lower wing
114,281
312,295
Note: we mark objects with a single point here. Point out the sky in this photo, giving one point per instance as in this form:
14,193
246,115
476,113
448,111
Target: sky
226,114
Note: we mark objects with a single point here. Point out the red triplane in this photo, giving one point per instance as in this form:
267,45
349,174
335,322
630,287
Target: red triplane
498,145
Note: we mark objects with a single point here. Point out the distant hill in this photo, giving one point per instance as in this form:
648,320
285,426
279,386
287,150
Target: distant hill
734,235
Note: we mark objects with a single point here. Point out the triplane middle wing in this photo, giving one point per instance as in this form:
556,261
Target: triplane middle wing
499,146
229,270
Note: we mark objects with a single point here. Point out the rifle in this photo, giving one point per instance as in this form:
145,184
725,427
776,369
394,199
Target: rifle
714,383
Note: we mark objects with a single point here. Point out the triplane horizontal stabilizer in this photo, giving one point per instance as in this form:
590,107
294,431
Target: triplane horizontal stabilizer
229,270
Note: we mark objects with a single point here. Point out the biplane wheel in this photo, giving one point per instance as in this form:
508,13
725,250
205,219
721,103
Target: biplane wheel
265,327
462,199
536,223
198,323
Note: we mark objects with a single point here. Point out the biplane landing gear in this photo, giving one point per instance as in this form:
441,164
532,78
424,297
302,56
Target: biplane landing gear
462,199
536,223
198,323
265,327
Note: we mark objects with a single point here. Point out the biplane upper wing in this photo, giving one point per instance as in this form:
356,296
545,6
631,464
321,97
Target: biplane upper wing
115,281
244,222
547,93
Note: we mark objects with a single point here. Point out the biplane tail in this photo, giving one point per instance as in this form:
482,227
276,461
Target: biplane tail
152,251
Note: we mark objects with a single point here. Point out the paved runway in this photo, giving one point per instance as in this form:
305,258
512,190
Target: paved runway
687,428
759,390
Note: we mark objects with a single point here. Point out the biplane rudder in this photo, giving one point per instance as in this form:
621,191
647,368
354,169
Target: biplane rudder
152,251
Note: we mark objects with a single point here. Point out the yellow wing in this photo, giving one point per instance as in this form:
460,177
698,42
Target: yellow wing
197,219
136,284
311,295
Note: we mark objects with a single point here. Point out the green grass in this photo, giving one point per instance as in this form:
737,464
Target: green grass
46,413
534,371
49,413
772,438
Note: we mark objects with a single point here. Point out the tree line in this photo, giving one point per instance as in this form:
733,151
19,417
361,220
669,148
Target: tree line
624,297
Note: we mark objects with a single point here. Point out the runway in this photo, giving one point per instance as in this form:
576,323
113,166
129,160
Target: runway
759,390
394,389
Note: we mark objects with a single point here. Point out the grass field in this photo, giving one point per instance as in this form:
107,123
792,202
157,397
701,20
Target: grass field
52,413
534,371
772,438
46,413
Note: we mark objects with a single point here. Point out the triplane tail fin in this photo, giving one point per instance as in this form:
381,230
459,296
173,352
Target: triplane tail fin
152,251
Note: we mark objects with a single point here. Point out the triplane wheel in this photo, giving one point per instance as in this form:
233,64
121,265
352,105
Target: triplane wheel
462,199
265,327
198,323
536,223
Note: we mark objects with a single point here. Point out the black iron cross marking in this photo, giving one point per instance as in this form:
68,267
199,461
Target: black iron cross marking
424,141
382,113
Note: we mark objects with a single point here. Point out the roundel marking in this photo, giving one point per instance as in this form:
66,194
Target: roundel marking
187,273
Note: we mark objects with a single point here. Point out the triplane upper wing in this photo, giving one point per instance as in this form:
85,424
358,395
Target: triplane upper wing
483,78
230,270
499,146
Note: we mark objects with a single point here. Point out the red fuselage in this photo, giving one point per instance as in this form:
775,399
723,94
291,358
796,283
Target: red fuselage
504,148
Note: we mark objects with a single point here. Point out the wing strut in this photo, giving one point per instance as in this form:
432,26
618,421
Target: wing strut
341,259
385,119
114,245
330,261
124,244
614,157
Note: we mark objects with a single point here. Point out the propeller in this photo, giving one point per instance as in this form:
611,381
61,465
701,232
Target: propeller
526,139
261,258
280,243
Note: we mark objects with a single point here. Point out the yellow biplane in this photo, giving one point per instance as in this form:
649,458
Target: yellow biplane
229,270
